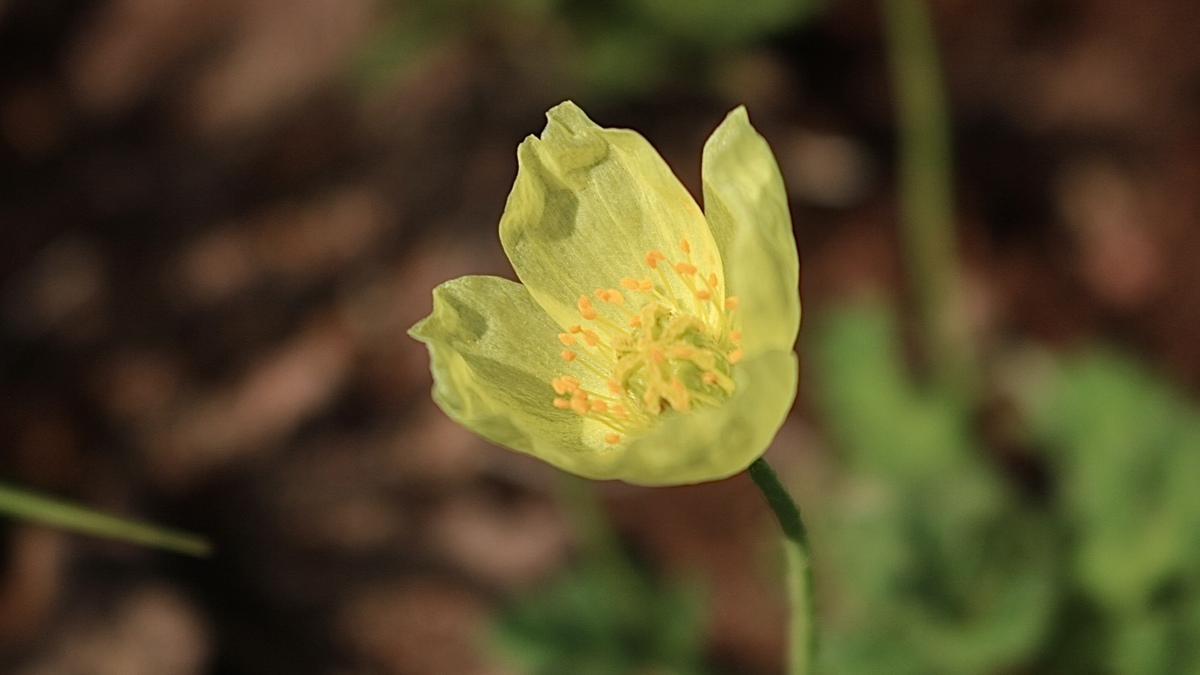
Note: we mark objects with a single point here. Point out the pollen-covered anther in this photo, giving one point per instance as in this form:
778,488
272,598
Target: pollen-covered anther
685,268
631,284
736,355
610,295
559,386
568,355
652,258
612,439
567,339
731,303
599,406
678,396
580,403
685,246
585,308
591,338
615,387
735,336
703,295
620,412
574,328
709,378
712,280
635,320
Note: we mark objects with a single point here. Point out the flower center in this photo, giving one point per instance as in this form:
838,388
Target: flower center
672,354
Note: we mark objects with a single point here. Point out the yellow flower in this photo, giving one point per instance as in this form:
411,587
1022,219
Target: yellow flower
648,341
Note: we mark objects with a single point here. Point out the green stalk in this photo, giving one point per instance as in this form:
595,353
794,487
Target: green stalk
802,629
56,513
927,195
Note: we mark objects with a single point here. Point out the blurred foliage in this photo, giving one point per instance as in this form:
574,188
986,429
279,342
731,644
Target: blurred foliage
1125,449
606,617
942,567
583,48
939,563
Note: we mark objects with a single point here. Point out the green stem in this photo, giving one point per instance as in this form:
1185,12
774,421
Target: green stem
37,508
802,632
927,194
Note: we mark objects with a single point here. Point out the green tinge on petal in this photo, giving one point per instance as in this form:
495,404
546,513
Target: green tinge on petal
716,443
493,353
587,205
746,206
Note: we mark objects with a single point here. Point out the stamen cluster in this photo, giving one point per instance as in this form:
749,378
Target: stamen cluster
672,354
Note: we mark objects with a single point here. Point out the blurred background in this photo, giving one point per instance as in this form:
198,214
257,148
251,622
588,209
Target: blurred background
219,217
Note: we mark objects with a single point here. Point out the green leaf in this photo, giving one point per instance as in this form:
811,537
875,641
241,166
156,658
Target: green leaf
604,619
44,510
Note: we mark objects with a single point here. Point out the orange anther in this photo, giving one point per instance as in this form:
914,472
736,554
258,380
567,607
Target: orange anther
558,386
585,308
736,355
703,295
653,257
568,355
569,383
612,439
682,402
685,246
735,336
580,405
656,355
709,378
711,280
615,387
599,406
645,285
630,284
567,339
591,338
574,328
684,268
615,297
731,303
635,320
619,411
562,403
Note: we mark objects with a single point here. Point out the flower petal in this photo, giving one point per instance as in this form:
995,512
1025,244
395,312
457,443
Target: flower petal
587,206
493,355
719,442
746,206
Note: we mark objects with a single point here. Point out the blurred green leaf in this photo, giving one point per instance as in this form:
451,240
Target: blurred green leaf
1126,446
881,418
605,619
943,568
37,508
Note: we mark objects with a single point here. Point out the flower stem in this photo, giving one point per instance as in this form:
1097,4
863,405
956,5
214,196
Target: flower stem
56,513
802,631
927,194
